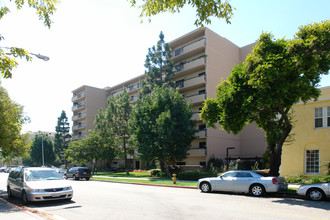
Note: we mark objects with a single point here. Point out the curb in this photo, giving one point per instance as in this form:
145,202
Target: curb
22,209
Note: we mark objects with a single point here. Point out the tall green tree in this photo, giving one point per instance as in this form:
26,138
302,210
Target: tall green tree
162,126
278,74
62,136
159,67
204,9
44,10
89,149
42,140
113,123
12,118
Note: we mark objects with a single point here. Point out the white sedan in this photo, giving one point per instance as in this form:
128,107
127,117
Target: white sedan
315,192
255,183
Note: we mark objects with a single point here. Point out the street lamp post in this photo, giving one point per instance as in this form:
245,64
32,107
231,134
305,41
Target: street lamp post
42,150
227,159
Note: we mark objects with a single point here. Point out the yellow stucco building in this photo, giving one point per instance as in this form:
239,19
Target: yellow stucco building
308,153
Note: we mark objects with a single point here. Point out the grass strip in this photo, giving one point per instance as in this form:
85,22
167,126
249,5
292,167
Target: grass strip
151,182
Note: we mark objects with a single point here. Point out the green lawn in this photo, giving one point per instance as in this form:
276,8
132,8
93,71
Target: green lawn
151,181
123,174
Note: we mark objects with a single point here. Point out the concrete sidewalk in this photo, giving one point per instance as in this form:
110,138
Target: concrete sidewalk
9,211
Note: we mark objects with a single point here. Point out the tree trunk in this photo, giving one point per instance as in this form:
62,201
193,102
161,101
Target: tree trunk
276,152
125,156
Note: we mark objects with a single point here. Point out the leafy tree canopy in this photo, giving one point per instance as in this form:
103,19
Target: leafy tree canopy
113,124
163,129
204,8
12,118
278,74
39,141
159,67
62,136
44,10
91,148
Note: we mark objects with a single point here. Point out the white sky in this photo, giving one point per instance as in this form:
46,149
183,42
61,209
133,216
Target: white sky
102,43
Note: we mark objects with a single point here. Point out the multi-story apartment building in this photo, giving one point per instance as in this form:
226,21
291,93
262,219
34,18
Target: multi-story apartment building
86,102
201,58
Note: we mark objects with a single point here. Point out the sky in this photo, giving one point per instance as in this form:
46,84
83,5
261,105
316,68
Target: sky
103,43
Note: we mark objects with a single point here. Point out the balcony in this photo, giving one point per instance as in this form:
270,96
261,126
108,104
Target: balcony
184,52
195,116
197,152
79,136
197,98
191,83
78,106
78,116
79,126
190,66
202,134
79,96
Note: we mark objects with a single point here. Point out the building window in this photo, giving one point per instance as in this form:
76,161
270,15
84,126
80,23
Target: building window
181,163
328,116
178,51
318,117
202,127
202,145
202,92
202,164
179,84
312,161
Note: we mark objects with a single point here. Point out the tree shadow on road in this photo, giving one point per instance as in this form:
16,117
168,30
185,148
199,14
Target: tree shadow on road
304,202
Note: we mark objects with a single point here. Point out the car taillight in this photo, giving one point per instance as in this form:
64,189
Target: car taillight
78,173
275,181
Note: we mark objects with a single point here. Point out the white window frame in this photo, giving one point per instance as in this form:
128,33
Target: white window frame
324,115
311,153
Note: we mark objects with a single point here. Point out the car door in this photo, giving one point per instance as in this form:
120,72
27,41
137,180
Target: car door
225,182
243,181
70,172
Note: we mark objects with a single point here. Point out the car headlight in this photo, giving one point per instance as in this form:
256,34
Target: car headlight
36,190
68,188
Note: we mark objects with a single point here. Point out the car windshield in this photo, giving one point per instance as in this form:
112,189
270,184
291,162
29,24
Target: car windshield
39,175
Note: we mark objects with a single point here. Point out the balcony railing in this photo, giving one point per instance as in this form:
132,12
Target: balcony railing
79,126
189,47
78,96
78,116
197,98
194,81
79,136
202,134
78,106
195,116
191,64
197,152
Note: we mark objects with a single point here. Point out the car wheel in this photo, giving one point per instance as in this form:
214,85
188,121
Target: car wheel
65,177
25,200
87,178
315,194
257,190
205,187
75,178
10,195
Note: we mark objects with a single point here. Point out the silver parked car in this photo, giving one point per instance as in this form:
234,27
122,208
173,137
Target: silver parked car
315,192
256,183
38,184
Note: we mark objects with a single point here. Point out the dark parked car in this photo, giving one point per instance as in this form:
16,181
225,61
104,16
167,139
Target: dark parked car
79,172
37,184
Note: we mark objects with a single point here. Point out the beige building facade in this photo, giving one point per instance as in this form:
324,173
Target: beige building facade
201,59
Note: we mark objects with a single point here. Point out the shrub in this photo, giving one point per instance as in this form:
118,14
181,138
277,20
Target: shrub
155,172
194,175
